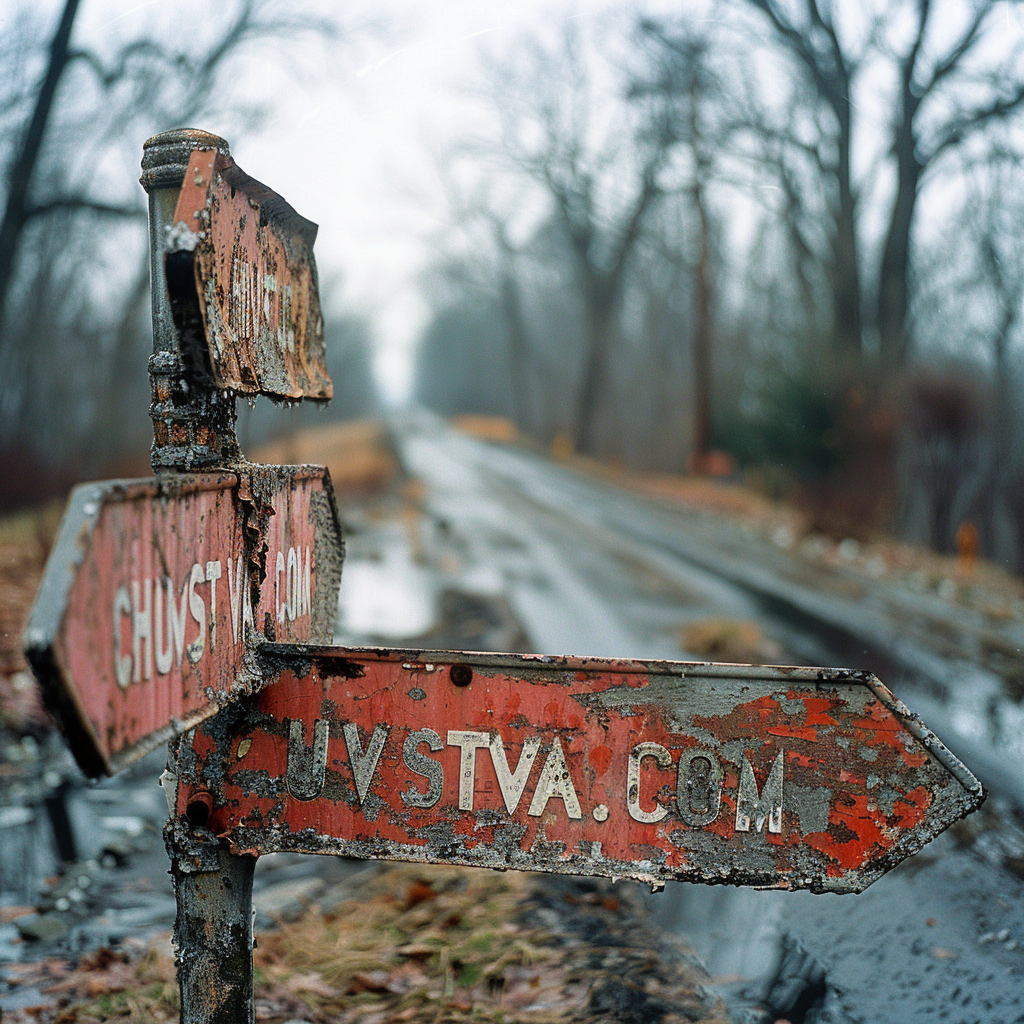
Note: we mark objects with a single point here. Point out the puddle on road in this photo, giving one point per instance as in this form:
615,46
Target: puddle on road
405,580
386,594
736,932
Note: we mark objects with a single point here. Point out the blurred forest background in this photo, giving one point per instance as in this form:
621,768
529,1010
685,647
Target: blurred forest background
776,238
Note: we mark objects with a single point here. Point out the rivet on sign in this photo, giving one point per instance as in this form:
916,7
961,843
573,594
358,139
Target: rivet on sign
243,748
462,675
199,808
600,813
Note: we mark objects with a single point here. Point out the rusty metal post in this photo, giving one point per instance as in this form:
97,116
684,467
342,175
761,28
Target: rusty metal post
194,429
213,928
193,420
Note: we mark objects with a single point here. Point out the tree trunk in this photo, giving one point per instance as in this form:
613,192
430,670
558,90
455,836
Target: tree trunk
1001,448
894,271
701,339
600,320
16,210
124,381
846,291
520,384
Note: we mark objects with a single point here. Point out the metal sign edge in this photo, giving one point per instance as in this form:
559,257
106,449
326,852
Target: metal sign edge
70,549
914,724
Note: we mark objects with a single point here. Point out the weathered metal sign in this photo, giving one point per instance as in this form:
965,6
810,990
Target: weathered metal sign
255,277
774,777
153,588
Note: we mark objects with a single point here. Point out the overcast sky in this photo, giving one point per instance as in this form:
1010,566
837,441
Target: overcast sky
359,158
353,145
353,136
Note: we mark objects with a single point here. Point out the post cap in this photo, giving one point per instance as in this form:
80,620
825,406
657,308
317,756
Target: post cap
165,156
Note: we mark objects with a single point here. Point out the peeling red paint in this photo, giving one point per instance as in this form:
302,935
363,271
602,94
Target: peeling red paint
599,713
798,731
818,709
600,757
256,281
866,828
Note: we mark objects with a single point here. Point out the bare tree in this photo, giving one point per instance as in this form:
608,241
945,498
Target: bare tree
684,81
17,210
600,173
809,36
947,93
480,253
972,297
944,456
181,78
68,293
920,138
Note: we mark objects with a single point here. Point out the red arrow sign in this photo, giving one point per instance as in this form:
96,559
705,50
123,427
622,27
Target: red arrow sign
777,777
250,258
139,628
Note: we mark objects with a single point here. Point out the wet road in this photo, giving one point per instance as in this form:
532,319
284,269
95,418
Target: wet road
589,569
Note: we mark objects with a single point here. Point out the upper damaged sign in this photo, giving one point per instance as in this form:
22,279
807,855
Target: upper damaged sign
250,256
789,778
156,589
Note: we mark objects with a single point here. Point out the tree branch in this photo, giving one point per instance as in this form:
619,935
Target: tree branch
959,51
83,203
798,44
969,122
909,64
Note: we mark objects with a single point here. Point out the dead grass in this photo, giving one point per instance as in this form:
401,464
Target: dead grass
358,453
432,945
134,984
411,945
25,541
487,428
738,641
445,945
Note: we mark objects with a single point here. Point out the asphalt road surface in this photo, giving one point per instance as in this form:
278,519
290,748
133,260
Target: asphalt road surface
567,564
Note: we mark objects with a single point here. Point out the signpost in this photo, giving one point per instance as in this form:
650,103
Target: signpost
198,605
249,257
